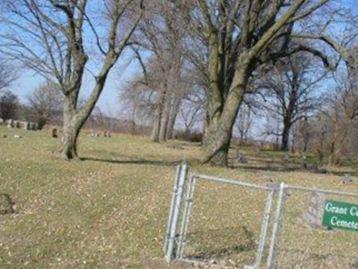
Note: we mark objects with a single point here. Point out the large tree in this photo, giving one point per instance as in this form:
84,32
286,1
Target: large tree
161,35
62,39
291,92
241,36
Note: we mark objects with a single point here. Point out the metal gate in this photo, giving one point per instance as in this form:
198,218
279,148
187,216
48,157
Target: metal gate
272,218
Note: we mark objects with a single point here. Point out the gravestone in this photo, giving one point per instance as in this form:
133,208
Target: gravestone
10,123
54,133
314,213
33,126
346,179
1,121
242,159
26,125
17,124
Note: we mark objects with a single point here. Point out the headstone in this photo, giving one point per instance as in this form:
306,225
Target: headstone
314,213
346,179
1,121
10,123
33,126
312,167
105,134
54,133
17,124
304,161
286,158
109,134
241,158
25,125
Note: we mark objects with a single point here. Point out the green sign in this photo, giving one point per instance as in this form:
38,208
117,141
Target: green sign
340,215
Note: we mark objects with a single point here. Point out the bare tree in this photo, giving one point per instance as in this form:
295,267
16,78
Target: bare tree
138,104
161,34
8,74
244,122
191,111
46,101
340,117
55,39
241,36
292,92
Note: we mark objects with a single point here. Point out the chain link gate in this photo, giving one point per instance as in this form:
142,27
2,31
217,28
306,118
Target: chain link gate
277,198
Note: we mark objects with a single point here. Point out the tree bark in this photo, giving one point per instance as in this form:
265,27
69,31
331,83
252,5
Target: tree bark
285,136
70,130
219,133
164,121
223,114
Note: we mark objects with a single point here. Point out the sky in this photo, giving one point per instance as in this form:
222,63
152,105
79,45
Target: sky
108,102
120,75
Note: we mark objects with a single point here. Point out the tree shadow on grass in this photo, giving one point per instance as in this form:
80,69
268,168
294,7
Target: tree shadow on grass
133,161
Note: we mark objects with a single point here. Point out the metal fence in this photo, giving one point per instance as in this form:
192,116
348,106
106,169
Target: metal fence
271,231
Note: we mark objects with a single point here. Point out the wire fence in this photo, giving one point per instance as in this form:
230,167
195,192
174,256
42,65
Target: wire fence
304,242
235,223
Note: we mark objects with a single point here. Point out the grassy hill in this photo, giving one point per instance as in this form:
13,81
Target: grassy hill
110,209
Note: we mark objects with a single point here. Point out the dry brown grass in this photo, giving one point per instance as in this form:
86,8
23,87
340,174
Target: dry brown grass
110,209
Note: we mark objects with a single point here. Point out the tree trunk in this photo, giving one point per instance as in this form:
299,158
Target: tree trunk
285,137
164,123
69,141
171,123
71,130
219,133
74,118
157,126
217,144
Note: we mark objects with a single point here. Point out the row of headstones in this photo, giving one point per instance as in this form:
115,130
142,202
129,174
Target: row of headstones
27,125
105,134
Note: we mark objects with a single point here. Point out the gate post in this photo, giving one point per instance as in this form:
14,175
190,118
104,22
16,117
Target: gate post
185,220
170,241
170,218
271,259
264,228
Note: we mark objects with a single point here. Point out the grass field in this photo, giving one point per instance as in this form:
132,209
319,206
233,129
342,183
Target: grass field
109,210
